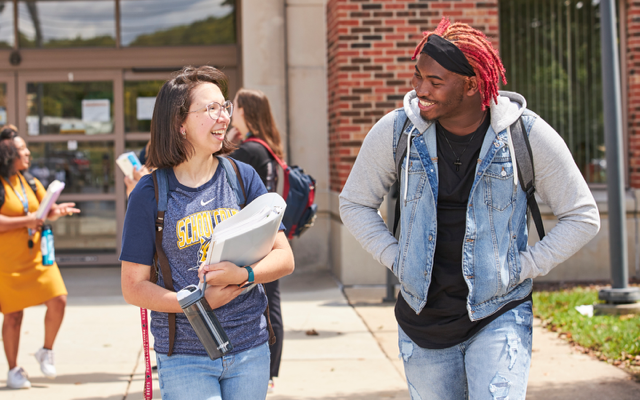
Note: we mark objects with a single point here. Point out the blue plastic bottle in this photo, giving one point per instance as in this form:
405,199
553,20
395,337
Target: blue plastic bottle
46,246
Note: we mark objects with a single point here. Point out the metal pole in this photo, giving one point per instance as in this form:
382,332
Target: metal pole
614,153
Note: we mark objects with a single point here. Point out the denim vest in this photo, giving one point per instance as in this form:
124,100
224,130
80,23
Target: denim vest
496,227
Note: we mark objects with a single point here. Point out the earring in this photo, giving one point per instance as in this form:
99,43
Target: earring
184,133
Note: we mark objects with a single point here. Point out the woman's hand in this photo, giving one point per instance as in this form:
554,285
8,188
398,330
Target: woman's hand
137,174
60,210
32,222
218,296
223,273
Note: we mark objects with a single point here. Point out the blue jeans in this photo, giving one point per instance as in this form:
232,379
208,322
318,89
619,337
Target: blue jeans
493,364
242,376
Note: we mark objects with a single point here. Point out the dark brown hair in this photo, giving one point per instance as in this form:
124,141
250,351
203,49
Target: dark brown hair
258,117
167,147
8,155
8,132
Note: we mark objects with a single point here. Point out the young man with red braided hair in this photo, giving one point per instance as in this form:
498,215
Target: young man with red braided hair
462,258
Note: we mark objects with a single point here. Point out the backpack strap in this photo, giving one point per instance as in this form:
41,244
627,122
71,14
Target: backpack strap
282,164
31,180
234,179
2,192
526,172
161,188
401,152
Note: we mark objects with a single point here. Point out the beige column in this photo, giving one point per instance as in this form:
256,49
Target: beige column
308,120
263,54
295,67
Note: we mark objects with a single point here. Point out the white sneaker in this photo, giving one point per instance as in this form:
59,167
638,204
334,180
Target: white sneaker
45,358
18,379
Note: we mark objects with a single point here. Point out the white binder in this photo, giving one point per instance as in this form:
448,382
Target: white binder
248,236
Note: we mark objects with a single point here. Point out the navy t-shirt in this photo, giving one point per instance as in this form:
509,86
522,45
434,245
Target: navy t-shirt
191,215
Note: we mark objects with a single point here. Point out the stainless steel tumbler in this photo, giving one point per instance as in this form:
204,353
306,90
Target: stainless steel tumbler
204,321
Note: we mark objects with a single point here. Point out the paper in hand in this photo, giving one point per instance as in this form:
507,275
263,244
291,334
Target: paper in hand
128,162
53,192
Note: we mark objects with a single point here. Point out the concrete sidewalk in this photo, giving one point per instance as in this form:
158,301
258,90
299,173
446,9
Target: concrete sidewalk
336,347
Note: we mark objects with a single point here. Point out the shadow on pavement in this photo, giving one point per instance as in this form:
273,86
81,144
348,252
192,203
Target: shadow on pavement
594,390
319,334
73,379
351,396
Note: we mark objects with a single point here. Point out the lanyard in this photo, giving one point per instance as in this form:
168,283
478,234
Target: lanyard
25,204
148,385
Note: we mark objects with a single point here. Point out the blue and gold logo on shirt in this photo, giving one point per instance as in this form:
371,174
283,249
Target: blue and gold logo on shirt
198,227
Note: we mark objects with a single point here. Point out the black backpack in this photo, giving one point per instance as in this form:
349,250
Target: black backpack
299,193
30,180
526,172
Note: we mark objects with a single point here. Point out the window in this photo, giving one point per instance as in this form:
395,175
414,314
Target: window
177,23
70,108
58,24
93,230
3,104
139,100
551,51
6,25
84,167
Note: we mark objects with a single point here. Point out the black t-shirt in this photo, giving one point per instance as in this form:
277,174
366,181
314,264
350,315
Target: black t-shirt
444,321
260,159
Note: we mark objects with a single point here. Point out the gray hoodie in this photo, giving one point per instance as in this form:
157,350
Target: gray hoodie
374,172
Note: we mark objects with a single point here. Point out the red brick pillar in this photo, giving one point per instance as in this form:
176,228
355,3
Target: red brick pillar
632,58
369,48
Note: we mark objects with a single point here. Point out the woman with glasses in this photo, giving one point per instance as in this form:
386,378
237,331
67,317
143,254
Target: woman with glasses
188,132
24,280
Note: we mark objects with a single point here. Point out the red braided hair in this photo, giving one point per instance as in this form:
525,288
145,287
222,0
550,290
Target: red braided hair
482,56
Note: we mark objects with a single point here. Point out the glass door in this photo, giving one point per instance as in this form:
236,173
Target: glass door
7,98
73,124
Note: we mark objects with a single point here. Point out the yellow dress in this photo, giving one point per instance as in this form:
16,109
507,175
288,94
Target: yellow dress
24,281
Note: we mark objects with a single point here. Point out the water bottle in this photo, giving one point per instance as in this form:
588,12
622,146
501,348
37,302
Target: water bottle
203,320
46,246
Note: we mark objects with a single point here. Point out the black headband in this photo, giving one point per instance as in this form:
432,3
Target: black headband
447,55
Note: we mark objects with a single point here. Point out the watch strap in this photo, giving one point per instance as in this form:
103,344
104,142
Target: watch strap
251,278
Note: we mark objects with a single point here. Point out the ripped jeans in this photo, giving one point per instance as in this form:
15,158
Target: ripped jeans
492,365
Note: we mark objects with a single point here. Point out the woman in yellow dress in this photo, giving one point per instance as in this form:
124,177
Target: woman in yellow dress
24,280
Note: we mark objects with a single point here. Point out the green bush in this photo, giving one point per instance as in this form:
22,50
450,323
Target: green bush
614,338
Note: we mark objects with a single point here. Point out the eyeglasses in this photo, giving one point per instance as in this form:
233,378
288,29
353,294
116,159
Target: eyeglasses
215,109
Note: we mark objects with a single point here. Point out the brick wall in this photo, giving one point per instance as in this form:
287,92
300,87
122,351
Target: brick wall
633,70
369,48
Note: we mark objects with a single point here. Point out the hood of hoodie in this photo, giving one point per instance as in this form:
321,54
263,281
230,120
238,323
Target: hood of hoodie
505,112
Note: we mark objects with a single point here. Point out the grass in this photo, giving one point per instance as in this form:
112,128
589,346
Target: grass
611,338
